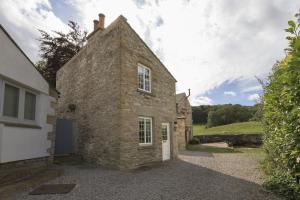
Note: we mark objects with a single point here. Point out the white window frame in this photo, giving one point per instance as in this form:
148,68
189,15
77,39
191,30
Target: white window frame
144,79
21,106
151,136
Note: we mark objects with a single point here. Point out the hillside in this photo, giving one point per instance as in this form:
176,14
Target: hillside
235,128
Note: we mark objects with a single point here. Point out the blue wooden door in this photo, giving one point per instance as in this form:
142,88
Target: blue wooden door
64,140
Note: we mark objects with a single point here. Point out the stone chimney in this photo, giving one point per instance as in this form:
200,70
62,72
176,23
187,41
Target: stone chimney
101,21
98,25
96,22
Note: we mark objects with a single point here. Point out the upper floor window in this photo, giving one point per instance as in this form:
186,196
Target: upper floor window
144,75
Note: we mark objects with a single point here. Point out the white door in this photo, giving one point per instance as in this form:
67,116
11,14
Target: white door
165,133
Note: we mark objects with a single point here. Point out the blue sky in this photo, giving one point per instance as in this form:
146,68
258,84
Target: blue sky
216,48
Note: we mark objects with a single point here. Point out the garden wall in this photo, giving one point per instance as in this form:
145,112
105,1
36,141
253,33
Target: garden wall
235,140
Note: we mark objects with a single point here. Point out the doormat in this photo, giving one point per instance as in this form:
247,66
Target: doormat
53,189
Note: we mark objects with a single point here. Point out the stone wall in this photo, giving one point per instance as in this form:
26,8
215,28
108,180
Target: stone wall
184,120
180,132
235,140
101,81
159,104
91,81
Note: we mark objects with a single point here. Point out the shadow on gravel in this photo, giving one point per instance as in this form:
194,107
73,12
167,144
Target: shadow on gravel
174,180
197,153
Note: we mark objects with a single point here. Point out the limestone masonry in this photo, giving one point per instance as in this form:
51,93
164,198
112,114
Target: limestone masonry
102,82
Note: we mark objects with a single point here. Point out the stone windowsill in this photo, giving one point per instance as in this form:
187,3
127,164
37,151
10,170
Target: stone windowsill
146,146
145,93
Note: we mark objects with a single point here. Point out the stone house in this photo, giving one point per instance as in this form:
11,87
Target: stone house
122,98
184,120
27,114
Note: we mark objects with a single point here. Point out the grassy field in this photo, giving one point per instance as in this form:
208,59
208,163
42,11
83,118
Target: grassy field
230,129
210,149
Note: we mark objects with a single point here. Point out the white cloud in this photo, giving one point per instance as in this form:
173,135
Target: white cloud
24,19
252,88
201,100
230,93
254,97
203,43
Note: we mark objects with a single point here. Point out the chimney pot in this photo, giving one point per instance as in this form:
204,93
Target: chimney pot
101,21
96,22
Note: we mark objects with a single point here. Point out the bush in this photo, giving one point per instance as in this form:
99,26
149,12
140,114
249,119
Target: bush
281,120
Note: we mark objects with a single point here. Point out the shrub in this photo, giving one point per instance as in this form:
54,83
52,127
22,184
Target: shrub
281,120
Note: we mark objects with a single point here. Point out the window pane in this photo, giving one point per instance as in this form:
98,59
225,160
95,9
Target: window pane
148,131
164,131
141,77
11,101
144,78
141,131
147,85
29,106
147,79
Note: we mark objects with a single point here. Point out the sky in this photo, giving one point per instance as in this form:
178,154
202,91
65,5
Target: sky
216,48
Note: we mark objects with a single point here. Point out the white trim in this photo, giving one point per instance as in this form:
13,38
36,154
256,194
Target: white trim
151,136
144,79
1,95
166,141
1,140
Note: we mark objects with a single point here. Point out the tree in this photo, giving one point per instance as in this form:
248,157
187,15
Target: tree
227,114
281,118
58,49
200,114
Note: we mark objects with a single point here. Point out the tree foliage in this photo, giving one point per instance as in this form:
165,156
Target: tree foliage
224,114
281,118
200,114
228,114
58,48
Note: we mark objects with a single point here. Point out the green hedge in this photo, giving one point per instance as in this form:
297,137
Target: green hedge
281,119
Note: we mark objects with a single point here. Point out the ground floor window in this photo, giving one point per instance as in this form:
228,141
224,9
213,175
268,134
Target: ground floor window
11,101
17,104
145,130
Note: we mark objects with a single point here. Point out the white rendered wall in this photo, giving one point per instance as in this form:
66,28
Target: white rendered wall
18,143
21,143
14,65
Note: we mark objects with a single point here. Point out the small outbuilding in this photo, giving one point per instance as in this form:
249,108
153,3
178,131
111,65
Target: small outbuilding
184,128
121,98
27,115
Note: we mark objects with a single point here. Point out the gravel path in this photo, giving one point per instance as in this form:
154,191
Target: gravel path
197,176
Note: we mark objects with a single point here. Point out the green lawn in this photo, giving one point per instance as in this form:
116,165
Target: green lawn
230,129
210,149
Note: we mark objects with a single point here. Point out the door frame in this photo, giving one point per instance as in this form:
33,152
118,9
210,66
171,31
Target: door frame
169,140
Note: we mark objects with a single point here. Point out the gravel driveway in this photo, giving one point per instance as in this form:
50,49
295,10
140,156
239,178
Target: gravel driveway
196,176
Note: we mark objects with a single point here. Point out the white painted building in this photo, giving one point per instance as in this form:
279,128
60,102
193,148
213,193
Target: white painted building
25,105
